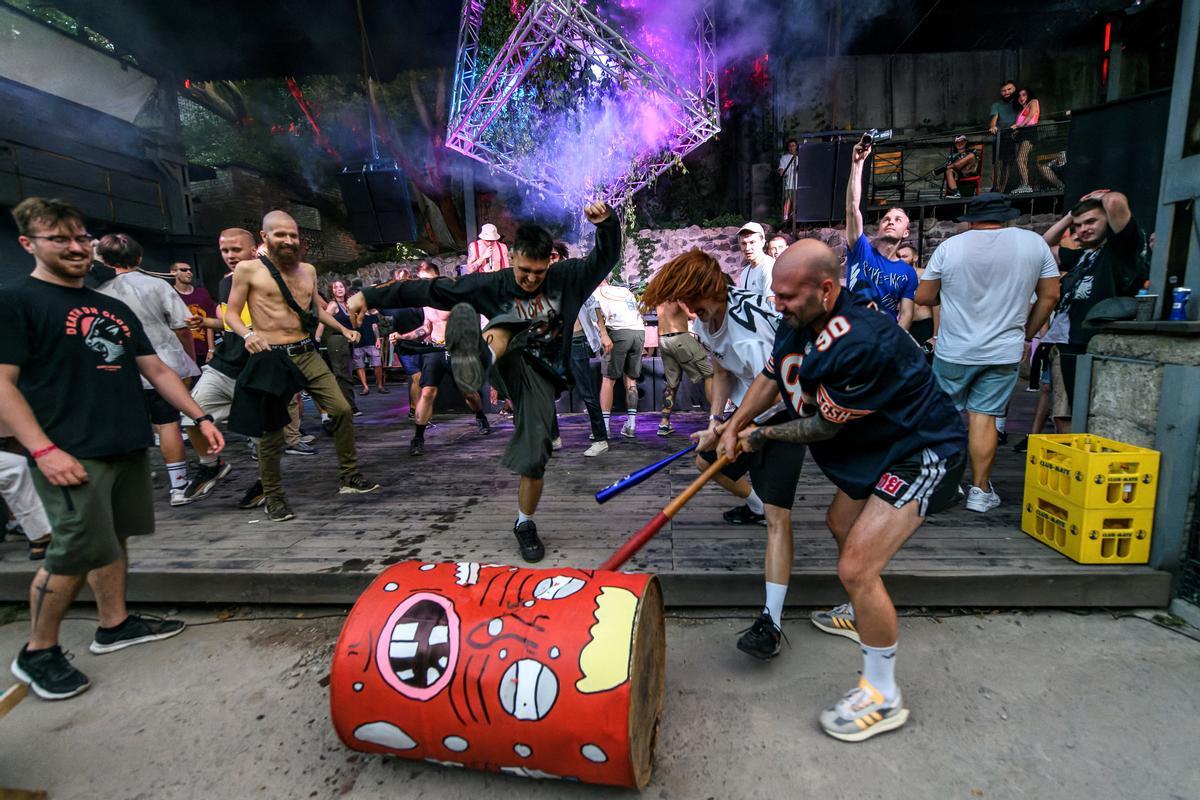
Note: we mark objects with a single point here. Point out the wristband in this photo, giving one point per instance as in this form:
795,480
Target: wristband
248,334
205,418
36,454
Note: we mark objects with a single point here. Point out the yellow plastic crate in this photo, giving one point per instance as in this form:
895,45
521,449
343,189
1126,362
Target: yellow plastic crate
1092,472
1089,536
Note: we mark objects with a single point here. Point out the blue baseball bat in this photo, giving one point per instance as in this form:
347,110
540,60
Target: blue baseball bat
634,478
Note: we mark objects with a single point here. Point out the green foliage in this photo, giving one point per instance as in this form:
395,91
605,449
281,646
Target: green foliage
64,22
399,252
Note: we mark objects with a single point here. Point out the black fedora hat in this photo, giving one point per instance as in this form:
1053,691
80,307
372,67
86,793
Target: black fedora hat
989,206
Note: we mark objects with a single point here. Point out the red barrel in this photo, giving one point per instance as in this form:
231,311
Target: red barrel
547,673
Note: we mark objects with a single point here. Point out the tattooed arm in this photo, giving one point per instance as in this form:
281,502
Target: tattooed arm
800,431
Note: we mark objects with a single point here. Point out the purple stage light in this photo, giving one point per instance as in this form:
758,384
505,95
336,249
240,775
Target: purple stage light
635,95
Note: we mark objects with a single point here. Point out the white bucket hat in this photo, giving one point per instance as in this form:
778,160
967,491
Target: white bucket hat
489,233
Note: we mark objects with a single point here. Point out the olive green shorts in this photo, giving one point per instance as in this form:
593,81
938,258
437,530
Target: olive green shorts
90,522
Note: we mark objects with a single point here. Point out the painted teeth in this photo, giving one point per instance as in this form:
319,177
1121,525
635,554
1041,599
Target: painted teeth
439,634
431,676
402,650
404,632
442,662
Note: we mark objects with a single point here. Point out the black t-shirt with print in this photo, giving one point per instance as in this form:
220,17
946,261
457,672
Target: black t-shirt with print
1117,268
77,353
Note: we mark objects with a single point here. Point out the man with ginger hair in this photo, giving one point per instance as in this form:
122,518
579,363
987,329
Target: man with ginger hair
737,327
863,400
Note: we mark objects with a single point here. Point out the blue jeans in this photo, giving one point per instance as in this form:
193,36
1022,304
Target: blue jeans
581,370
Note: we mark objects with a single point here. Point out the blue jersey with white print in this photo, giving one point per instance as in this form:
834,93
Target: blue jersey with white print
867,374
874,278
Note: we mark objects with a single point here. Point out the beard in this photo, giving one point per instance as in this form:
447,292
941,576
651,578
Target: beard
284,253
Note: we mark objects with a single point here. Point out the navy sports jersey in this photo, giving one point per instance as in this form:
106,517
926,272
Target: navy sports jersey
866,373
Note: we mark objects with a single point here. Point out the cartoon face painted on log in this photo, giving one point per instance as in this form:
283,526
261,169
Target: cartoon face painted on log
491,667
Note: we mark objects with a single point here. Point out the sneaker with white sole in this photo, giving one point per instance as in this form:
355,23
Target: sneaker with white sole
49,673
462,345
981,501
179,497
862,713
629,429
136,629
300,449
207,476
556,443
596,449
838,620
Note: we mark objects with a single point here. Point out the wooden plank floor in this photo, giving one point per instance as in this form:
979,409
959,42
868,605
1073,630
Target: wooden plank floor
456,503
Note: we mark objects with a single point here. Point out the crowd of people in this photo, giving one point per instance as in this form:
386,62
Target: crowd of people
869,363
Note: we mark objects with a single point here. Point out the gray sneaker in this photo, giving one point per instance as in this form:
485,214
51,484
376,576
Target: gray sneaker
980,501
838,620
862,713
300,449
278,510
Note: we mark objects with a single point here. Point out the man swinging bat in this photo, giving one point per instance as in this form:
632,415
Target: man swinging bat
738,328
529,308
881,430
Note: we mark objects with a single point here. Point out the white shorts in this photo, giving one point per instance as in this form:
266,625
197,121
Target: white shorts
213,392
16,486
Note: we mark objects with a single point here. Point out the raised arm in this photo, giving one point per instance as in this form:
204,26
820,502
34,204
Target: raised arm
607,251
1054,234
854,220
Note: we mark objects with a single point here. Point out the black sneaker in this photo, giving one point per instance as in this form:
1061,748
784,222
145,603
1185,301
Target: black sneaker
412,414
327,425
254,497
1022,446
763,639
136,629
462,345
416,447
1001,437
531,546
207,476
357,484
742,515
49,673
253,448
279,510
485,427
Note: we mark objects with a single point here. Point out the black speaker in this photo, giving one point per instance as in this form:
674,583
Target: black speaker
815,164
1119,146
378,202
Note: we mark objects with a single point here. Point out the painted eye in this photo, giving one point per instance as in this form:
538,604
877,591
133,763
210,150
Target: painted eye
418,648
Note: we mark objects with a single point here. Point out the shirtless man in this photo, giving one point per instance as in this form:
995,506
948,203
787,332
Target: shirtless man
278,327
681,355
434,365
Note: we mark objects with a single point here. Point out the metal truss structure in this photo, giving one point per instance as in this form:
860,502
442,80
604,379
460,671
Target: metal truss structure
567,29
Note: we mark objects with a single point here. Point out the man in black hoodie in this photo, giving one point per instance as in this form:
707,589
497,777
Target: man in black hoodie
529,308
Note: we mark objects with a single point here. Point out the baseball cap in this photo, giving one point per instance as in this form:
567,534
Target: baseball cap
753,227
962,137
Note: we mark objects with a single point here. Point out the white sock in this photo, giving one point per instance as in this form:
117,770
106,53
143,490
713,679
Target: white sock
755,503
177,472
775,594
209,460
631,416
523,517
879,668
325,416
1000,423
607,415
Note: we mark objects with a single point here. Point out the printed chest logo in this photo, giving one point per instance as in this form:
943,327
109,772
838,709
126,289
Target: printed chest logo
789,373
103,332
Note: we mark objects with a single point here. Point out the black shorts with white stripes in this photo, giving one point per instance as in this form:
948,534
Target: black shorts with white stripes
925,478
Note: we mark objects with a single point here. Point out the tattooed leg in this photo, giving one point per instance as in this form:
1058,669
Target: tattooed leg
49,598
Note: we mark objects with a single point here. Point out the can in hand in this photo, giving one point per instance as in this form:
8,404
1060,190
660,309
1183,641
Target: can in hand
1179,303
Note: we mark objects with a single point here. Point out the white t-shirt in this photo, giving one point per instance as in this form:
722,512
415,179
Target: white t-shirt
620,308
159,308
743,343
587,321
757,278
789,163
987,277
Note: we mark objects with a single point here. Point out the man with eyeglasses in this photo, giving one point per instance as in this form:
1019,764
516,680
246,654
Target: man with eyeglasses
70,356
201,304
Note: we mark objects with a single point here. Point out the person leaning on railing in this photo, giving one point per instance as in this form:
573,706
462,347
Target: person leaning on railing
1024,132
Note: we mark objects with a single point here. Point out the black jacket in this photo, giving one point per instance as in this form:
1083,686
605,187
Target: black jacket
263,391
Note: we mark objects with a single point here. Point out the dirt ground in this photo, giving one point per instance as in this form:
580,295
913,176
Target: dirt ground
1004,705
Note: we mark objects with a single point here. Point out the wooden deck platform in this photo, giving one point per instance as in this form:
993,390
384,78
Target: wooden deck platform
456,503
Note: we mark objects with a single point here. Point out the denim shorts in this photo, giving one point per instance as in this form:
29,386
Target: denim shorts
979,388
